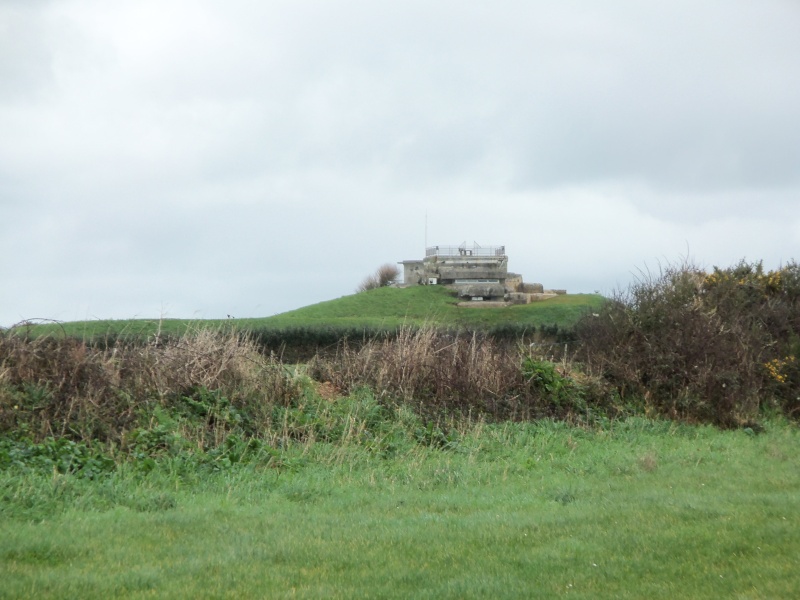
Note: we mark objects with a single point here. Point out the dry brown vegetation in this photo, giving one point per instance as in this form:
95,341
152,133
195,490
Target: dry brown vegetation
385,275
439,373
432,370
66,387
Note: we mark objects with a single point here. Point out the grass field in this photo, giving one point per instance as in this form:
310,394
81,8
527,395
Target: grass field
631,509
383,308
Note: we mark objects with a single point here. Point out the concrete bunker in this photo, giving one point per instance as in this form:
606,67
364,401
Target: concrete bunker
476,273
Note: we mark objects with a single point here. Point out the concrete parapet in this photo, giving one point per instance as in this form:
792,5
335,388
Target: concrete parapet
518,298
532,288
480,290
523,298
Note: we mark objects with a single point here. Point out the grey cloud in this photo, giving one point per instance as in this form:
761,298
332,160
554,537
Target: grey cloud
25,55
269,154
686,104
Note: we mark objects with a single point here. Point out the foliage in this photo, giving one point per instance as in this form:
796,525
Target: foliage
439,372
714,347
69,389
549,382
52,455
385,275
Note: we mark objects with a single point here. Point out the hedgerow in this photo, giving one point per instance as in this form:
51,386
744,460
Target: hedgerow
713,347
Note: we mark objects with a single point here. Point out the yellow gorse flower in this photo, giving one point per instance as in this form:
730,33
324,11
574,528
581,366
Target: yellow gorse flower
777,368
769,283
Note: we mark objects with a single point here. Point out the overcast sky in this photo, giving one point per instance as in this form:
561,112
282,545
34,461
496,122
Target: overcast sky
195,159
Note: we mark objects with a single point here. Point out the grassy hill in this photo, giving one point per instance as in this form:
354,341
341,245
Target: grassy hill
379,309
392,307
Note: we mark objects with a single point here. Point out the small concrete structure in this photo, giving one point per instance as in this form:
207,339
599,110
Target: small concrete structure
414,272
477,273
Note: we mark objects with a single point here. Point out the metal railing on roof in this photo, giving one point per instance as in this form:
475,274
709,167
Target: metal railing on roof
464,250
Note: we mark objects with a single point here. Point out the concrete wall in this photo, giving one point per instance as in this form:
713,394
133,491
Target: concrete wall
413,272
524,298
518,298
532,288
514,282
450,268
480,290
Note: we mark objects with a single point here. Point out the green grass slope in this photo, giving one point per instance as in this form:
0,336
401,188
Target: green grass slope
392,307
382,308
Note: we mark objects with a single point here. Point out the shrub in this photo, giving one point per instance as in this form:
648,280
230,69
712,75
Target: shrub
385,275
545,378
700,346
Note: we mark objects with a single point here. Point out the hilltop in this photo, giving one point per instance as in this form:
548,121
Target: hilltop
379,309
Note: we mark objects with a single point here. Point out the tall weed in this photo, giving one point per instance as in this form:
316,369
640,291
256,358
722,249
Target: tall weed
441,372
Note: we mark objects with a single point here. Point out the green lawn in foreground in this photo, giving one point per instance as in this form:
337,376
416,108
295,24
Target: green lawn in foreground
636,509
383,308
